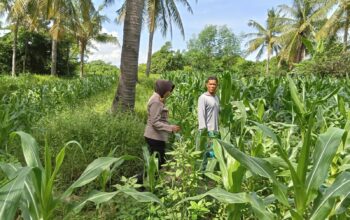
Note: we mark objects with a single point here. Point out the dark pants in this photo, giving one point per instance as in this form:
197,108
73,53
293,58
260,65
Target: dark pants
157,146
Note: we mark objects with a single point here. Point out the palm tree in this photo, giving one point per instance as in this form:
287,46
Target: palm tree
125,93
13,17
266,38
339,19
87,26
304,16
58,12
160,14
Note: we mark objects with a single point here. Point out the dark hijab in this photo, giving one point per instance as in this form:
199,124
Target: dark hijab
163,86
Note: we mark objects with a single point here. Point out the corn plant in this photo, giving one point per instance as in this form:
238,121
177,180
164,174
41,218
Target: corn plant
19,108
30,189
151,169
318,197
107,174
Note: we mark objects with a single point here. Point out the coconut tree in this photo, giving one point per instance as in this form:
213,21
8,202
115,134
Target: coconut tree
87,26
160,14
339,19
125,93
58,13
266,38
300,22
13,17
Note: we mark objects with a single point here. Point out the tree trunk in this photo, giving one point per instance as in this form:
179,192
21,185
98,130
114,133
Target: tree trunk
149,56
54,58
125,94
268,60
346,29
14,48
300,53
82,53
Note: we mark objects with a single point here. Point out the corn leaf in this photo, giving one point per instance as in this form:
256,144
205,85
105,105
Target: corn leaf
92,171
140,196
341,186
259,167
11,193
222,196
295,97
325,150
30,149
95,197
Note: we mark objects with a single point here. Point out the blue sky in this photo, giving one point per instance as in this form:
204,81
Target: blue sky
233,13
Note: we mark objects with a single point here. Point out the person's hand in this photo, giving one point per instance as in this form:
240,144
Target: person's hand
175,128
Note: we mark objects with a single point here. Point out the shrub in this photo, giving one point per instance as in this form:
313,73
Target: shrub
98,134
99,67
331,61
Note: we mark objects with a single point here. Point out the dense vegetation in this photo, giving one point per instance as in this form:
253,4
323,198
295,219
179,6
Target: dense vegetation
67,149
283,152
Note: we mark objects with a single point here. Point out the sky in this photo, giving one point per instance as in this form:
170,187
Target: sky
233,13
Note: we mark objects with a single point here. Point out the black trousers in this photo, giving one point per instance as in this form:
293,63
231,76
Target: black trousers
157,146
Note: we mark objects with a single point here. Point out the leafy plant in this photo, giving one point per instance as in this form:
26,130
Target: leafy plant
31,188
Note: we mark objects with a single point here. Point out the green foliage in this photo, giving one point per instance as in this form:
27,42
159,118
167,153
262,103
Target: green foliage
5,55
99,67
31,188
331,61
166,60
216,48
303,115
258,68
293,163
180,179
98,133
33,54
248,68
20,107
151,169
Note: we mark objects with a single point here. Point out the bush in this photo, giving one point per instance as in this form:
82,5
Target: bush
34,53
98,134
248,68
331,61
99,67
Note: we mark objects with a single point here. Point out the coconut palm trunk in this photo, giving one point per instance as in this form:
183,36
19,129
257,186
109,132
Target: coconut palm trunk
300,52
82,46
149,56
268,59
125,94
54,57
14,49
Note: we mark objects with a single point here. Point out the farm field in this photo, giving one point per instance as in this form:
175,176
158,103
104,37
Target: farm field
174,110
282,140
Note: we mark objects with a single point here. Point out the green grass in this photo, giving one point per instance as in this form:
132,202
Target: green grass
90,123
144,90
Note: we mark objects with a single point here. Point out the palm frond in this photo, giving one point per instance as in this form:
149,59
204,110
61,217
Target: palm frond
257,26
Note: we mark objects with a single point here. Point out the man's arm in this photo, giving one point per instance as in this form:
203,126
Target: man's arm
202,124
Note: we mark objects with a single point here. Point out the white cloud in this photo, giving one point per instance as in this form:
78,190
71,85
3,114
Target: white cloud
4,31
111,53
107,52
143,55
